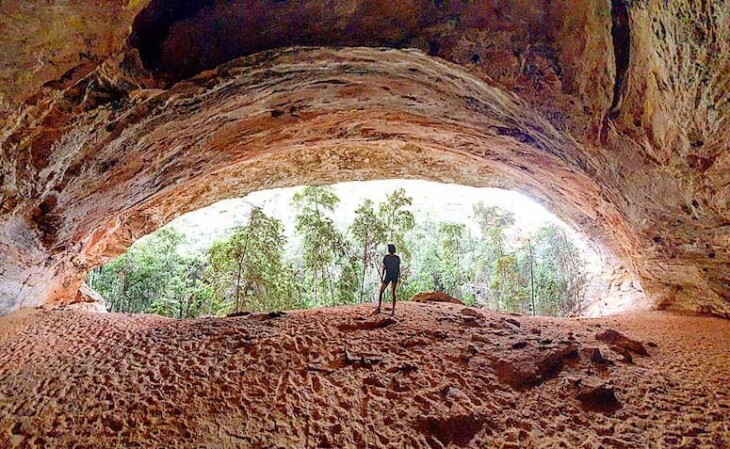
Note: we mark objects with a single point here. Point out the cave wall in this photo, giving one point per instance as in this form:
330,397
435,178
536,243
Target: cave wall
613,114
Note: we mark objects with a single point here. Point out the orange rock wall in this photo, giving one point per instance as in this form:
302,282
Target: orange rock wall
613,114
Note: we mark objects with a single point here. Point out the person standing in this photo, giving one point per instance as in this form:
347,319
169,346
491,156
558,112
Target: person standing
390,275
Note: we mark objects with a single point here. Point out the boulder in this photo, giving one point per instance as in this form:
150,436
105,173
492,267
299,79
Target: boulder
624,353
466,311
619,340
89,300
594,355
435,297
600,397
531,369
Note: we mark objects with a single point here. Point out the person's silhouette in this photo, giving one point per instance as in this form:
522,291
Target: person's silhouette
390,275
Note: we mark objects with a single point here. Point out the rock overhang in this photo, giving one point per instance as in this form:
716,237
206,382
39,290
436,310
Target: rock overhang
95,160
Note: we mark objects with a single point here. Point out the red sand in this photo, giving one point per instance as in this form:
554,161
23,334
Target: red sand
440,376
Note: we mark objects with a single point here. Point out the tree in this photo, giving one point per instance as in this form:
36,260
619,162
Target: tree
368,231
322,243
507,285
559,271
247,269
425,259
152,277
493,222
396,216
451,236
542,273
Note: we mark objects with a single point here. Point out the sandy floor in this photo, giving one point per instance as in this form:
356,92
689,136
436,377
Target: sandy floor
439,376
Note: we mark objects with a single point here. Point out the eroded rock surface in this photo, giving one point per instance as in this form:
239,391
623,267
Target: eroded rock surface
613,114
325,378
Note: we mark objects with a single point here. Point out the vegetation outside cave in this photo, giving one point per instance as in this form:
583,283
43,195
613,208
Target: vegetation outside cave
317,256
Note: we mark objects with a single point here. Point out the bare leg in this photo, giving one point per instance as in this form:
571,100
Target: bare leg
393,286
380,297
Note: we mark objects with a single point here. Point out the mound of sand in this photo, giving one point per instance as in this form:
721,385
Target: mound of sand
437,375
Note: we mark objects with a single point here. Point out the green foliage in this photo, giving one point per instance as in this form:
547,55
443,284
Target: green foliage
322,243
246,271
540,273
396,217
493,221
368,232
559,271
444,259
348,281
507,284
153,277
451,237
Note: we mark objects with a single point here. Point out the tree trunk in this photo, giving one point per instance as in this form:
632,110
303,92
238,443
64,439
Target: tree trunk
532,278
364,267
251,224
190,305
238,285
314,288
329,285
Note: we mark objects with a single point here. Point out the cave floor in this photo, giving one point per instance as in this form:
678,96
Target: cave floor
441,375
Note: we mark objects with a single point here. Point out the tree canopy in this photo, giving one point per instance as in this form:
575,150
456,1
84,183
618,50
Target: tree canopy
339,263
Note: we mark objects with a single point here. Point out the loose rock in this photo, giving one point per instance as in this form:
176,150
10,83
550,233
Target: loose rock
594,355
600,397
618,339
435,297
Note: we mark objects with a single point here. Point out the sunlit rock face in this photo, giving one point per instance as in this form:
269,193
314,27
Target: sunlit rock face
614,115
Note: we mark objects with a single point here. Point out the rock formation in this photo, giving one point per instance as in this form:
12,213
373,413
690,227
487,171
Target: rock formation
123,115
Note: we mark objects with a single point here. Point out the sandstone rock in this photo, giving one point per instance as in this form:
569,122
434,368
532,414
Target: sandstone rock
367,325
621,341
470,312
532,369
594,355
512,324
435,297
89,300
512,321
626,285
555,358
624,353
360,360
120,116
471,321
456,430
600,397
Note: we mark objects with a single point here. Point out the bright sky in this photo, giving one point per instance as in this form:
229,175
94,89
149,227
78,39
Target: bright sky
447,202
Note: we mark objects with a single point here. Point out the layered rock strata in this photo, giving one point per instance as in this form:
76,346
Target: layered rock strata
612,114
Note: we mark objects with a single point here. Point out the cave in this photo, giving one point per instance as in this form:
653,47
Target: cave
355,92
117,117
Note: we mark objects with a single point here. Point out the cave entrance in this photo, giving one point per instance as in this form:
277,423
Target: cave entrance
305,116
305,247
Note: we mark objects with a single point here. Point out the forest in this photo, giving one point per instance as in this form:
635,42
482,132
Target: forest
541,273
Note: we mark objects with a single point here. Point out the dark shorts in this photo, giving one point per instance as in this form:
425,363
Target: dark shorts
390,278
